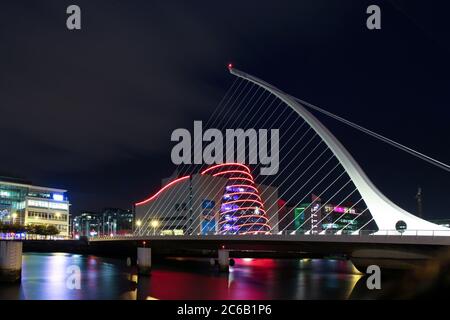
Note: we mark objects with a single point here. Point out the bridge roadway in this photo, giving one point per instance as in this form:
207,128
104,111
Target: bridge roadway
250,240
389,251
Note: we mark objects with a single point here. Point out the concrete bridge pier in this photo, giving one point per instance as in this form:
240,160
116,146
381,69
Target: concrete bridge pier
224,261
10,260
144,260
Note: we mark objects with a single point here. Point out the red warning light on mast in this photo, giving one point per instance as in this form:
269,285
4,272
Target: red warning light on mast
230,66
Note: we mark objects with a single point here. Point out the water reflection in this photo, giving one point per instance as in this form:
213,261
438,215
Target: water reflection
44,276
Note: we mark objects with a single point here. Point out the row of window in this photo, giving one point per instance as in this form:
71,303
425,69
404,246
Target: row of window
181,207
47,215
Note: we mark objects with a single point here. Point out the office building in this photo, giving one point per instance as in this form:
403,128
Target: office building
109,222
26,204
115,221
316,217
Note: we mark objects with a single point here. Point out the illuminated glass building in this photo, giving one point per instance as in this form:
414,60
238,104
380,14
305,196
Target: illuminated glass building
87,224
222,199
316,217
115,221
110,222
27,204
241,210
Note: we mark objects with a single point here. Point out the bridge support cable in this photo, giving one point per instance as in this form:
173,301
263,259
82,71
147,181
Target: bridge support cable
301,138
188,169
313,189
360,214
310,191
321,207
229,97
286,155
385,213
306,183
252,93
305,171
215,195
326,216
352,207
231,118
231,115
360,229
223,112
391,142
286,167
298,141
265,111
253,113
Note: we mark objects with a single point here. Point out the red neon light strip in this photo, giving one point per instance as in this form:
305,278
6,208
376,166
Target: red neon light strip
252,224
246,179
226,164
233,171
243,208
161,190
245,216
244,200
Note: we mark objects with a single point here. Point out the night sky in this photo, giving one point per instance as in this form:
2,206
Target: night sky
92,111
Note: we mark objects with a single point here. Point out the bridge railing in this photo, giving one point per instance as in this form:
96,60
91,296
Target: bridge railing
375,233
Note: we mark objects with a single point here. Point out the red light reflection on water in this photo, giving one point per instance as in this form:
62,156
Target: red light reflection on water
244,281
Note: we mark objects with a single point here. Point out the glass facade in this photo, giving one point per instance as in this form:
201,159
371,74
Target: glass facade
26,204
316,217
110,222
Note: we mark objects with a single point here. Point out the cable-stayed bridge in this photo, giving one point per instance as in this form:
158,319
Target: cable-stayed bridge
319,199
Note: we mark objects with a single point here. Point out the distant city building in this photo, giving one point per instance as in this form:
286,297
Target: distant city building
285,215
115,221
87,224
27,204
109,222
222,199
315,217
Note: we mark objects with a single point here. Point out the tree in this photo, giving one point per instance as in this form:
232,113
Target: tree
51,230
12,228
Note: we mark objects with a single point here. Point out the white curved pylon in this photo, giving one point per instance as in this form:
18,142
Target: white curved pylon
385,213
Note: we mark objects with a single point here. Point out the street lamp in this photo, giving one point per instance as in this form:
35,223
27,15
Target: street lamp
154,224
138,224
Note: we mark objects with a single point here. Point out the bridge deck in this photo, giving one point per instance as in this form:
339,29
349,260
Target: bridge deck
262,238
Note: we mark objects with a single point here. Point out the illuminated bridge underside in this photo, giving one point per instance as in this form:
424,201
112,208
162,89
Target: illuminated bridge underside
385,213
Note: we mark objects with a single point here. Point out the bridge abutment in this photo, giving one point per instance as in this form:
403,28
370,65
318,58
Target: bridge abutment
144,260
10,261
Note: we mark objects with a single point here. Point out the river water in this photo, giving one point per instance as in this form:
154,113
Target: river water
47,276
